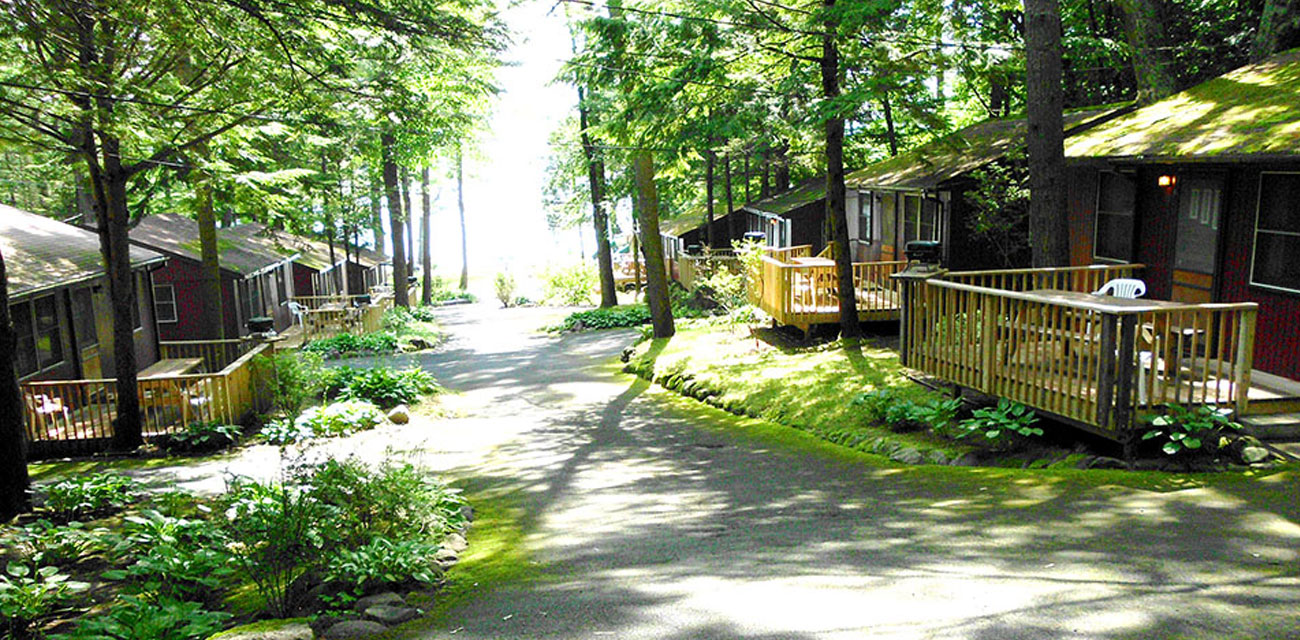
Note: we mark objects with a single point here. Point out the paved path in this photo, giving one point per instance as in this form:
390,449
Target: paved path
651,524
655,517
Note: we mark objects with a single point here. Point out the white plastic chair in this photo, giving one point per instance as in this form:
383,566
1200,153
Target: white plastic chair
296,310
1122,288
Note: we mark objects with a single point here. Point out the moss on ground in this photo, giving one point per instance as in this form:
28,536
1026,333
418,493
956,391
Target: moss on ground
810,388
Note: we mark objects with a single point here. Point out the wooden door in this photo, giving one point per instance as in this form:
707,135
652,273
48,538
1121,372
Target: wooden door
1196,246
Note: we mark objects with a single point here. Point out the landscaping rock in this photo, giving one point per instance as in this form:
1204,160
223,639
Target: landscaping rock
387,599
399,414
467,512
294,629
419,344
354,629
1102,462
388,615
937,457
455,542
1251,455
968,459
907,456
446,559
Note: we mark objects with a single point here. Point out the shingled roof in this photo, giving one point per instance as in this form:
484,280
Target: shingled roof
960,152
179,236
1250,113
42,253
310,253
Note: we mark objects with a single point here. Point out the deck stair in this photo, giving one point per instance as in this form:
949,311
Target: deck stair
1273,426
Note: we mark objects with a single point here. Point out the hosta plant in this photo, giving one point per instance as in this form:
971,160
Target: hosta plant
1188,432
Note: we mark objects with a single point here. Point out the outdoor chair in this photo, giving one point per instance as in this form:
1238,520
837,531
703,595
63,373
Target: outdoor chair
296,310
1123,288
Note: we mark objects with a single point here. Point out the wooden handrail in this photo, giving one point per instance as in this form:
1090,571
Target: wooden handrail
1090,267
1125,309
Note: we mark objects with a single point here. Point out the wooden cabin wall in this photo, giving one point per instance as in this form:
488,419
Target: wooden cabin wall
1081,197
302,280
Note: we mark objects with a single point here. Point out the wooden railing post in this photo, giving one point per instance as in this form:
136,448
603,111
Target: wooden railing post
1124,376
911,281
1106,373
1245,358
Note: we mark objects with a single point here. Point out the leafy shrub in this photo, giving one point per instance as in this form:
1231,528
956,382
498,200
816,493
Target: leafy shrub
884,406
382,562
200,437
380,385
1189,432
571,285
629,315
59,545
178,557
504,284
275,534
938,415
291,377
393,500
335,419
29,595
95,494
134,618
1005,422
347,345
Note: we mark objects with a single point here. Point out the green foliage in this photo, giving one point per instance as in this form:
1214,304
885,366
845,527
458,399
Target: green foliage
136,618
383,386
276,535
504,286
29,595
46,543
335,419
887,407
176,558
1004,422
399,319
939,415
291,376
572,285
347,345
1189,432
394,500
200,437
627,315
96,494
999,206
384,562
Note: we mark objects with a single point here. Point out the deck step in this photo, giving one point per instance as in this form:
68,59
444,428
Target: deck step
1274,426
1272,406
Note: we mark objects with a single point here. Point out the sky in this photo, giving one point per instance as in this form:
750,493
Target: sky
505,219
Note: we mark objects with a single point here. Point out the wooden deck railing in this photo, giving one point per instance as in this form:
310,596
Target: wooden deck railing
216,354
785,254
692,269
76,416
316,302
804,295
1097,364
1083,279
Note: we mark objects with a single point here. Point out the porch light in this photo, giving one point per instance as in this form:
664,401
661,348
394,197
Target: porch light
1167,181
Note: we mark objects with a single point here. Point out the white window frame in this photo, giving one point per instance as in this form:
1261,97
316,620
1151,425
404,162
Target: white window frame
1254,239
159,304
867,229
1096,216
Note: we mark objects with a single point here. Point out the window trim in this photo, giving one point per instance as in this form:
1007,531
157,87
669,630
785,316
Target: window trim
868,198
36,353
1132,215
158,303
1254,238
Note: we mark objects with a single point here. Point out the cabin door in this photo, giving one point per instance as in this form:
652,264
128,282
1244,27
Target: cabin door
1196,248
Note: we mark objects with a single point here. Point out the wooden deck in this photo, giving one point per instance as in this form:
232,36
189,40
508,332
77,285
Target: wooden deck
800,290
1035,336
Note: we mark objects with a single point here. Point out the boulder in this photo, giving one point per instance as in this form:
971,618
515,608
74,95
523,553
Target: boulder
467,512
387,598
352,629
1251,455
292,629
399,414
455,542
907,456
389,615
1103,462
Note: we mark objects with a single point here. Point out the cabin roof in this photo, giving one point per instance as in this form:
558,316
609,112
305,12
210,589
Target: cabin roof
1250,113
802,194
43,253
241,254
960,152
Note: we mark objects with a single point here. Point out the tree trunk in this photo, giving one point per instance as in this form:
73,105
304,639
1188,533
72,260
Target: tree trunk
1151,66
766,189
835,207
426,256
599,217
114,245
1049,230
890,134
14,482
395,221
710,163
213,318
746,172
376,215
329,239
408,214
656,290
1277,19
782,171
731,205
460,208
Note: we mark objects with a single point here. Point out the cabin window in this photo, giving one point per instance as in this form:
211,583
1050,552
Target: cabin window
1116,198
83,318
40,339
164,303
920,219
25,357
865,216
252,303
1277,232
280,291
